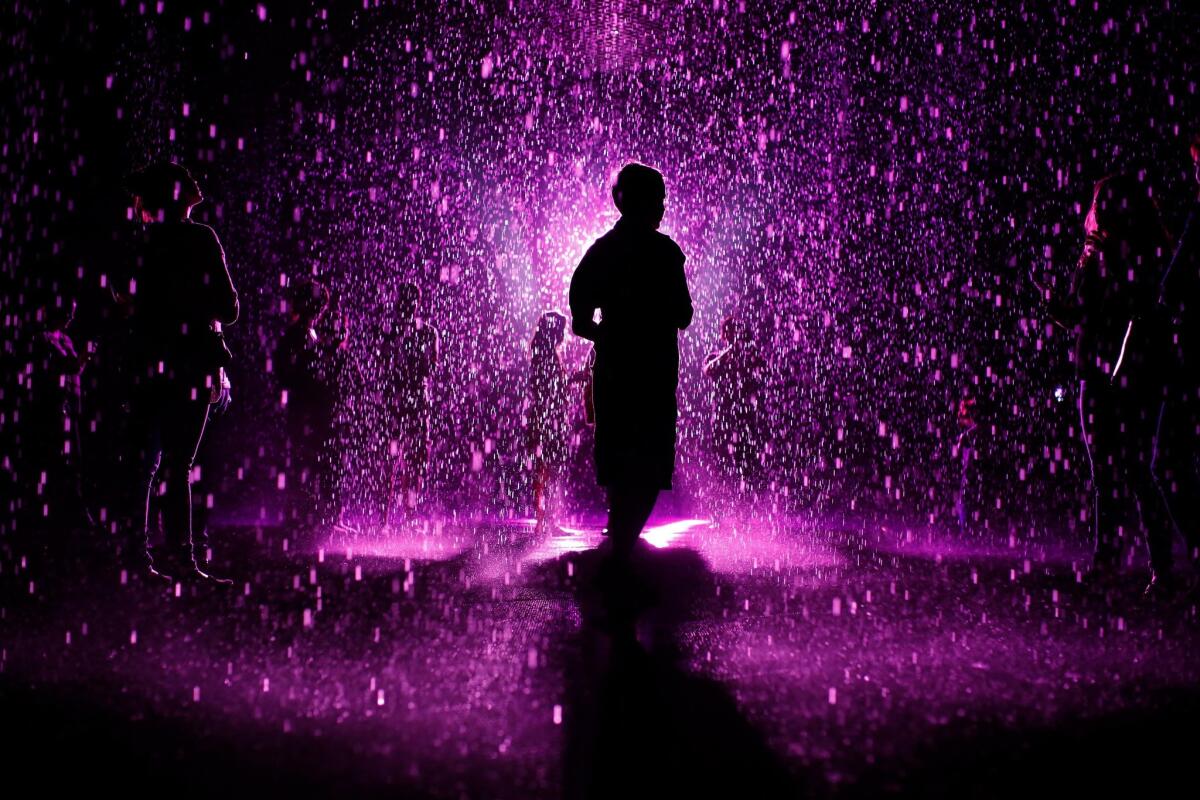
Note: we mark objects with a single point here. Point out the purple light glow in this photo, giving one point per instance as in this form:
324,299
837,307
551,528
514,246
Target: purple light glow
871,575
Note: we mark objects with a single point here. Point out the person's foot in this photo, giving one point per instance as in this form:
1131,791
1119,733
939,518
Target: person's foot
157,574
185,568
203,575
202,569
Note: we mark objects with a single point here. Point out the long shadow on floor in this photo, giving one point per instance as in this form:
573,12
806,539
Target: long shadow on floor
637,723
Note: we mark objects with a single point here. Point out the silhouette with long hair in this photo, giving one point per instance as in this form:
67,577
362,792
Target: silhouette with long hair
181,295
634,276
1122,347
547,418
414,356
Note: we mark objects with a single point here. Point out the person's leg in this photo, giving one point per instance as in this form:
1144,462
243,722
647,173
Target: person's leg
629,508
539,491
1099,424
147,460
416,461
181,430
394,457
1174,471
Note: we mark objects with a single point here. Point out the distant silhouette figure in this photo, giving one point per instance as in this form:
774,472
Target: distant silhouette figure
307,362
181,295
737,373
50,417
414,355
547,418
1177,444
634,275
1122,351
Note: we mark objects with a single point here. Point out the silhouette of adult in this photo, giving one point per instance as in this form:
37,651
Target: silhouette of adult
181,296
307,363
1177,444
1122,358
51,416
413,353
634,275
737,374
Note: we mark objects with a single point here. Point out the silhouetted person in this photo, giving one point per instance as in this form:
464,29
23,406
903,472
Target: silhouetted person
1177,444
976,417
181,295
547,414
414,354
634,275
306,362
737,374
1122,354
50,417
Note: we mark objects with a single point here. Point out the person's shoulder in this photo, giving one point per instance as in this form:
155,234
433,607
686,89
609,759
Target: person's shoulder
602,245
668,245
201,232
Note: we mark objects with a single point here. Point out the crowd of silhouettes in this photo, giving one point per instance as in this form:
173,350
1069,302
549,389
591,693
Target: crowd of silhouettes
1129,305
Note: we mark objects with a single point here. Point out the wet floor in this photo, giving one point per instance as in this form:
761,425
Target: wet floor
482,658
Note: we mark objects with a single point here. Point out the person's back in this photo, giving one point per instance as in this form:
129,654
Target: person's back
547,416
182,287
635,277
414,355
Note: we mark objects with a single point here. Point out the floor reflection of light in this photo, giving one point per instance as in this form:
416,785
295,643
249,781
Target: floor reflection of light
663,535
428,541
566,540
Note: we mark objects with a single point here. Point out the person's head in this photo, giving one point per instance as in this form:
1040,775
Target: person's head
1124,208
734,330
408,297
640,194
551,330
164,192
1194,147
308,300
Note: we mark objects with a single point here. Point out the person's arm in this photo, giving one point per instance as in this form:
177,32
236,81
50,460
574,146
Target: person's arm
582,298
1173,286
1068,311
62,358
222,295
681,300
432,348
716,364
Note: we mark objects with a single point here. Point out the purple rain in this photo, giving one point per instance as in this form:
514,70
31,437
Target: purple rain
909,547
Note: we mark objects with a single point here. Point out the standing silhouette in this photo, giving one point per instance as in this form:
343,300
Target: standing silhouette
737,374
1177,444
52,415
307,362
181,295
634,276
414,355
547,418
1122,349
